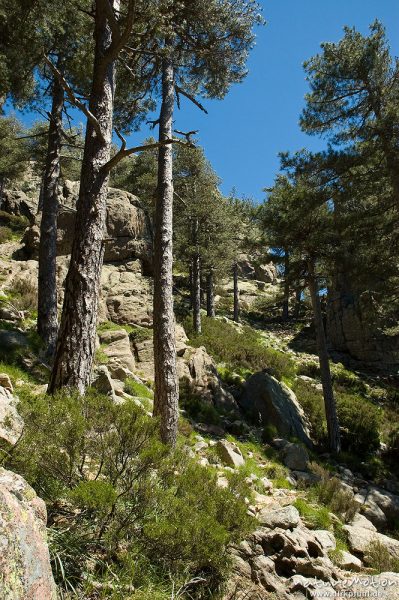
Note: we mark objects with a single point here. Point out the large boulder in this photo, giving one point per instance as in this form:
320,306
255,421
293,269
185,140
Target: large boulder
11,424
25,571
273,403
128,231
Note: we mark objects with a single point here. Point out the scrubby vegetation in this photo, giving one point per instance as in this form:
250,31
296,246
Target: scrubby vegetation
123,510
240,349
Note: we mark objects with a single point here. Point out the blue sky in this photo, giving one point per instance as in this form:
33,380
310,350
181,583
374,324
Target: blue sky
243,134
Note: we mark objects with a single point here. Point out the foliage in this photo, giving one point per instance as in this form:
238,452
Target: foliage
240,349
102,465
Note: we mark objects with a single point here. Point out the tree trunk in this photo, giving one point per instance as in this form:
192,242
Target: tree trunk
47,313
197,294
286,300
236,310
77,334
210,294
166,383
329,400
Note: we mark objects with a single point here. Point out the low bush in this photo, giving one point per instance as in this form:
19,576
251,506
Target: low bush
125,499
330,492
240,349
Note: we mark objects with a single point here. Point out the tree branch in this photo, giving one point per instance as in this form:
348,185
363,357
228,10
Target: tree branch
74,100
191,98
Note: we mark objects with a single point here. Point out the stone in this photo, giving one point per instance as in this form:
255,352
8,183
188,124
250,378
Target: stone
286,518
295,457
5,382
229,454
11,423
349,562
116,345
276,404
25,571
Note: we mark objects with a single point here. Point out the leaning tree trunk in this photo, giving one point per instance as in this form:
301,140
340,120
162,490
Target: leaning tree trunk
286,300
166,382
328,393
47,313
197,294
210,294
77,334
236,309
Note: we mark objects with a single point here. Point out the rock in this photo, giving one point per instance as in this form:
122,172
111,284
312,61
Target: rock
325,538
11,424
117,348
229,454
276,404
5,382
295,457
128,231
361,536
286,518
25,571
349,562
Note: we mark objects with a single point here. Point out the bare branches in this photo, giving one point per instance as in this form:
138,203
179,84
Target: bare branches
187,95
74,100
124,152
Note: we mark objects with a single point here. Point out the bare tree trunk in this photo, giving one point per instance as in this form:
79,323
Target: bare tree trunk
328,393
166,382
236,310
197,293
286,300
210,294
47,313
76,340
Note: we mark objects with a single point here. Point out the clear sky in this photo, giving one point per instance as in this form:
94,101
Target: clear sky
243,134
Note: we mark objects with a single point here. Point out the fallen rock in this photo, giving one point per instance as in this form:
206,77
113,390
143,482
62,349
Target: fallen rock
25,571
276,405
295,457
286,518
229,454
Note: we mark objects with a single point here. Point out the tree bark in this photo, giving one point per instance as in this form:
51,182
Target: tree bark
77,334
236,309
328,393
166,381
197,294
286,300
47,312
210,294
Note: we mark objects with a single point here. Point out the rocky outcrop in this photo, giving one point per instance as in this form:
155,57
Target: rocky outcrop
25,572
128,231
275,404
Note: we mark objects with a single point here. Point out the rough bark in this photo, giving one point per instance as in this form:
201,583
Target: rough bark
166,381
197,293
77,334
47,313
236,309
286,300
210,294
328,393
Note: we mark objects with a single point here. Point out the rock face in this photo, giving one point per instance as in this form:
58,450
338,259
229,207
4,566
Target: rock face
25,572
11,424
265,397
128,234
352,327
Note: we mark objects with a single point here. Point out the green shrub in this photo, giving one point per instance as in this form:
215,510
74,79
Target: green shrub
240,349
127,502
135,388
330,492
317,517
